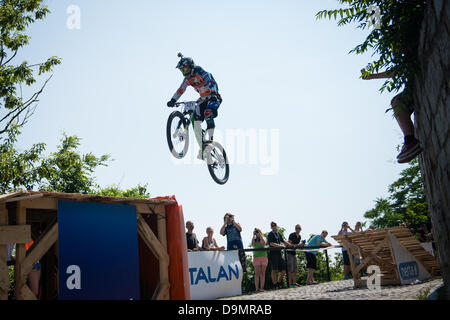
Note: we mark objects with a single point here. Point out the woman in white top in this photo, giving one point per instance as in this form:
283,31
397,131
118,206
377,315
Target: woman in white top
209,243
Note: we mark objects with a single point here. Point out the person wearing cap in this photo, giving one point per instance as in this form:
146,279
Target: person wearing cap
276,240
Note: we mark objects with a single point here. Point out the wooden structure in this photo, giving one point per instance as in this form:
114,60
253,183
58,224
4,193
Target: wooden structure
374,247
28,215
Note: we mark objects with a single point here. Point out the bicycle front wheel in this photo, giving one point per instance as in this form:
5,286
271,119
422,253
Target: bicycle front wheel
216,159
177,134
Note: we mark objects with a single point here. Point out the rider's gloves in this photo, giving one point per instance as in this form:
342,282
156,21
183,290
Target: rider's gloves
171,103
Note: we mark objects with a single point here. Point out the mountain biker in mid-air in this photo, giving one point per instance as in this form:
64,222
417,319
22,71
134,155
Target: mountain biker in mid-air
209,101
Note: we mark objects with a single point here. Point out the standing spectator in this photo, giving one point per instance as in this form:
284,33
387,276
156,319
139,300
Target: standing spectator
371,228
209,243
423,233
277,263
295,242
358,227
232,230
259,259
311,259
191,238
345,230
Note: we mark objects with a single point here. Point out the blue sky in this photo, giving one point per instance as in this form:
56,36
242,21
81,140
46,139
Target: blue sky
277,67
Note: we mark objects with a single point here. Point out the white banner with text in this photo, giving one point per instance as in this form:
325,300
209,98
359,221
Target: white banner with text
214,274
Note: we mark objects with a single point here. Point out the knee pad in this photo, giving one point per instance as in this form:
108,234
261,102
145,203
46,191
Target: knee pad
208,115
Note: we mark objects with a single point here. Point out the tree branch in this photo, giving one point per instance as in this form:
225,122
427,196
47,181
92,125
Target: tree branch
15,114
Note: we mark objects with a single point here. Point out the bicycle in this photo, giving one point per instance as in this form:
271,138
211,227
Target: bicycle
177,132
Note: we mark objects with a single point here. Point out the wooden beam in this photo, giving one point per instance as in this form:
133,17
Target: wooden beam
372,254
41,203
34,196
151,241
162,236
15,234
39,251
4,272
164,293
26,293
21,219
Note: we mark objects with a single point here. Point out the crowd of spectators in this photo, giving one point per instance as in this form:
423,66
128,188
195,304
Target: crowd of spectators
262,258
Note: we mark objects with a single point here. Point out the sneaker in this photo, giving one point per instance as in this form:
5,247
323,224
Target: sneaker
200,155
409,151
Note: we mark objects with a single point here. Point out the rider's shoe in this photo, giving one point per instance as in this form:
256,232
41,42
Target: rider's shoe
409,151
201,155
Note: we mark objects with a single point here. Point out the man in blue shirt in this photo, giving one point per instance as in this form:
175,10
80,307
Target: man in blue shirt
311,260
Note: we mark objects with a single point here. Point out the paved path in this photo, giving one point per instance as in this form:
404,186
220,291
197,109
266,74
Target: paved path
343,290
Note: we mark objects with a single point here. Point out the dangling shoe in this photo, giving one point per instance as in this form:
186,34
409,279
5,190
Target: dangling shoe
409,151
201,155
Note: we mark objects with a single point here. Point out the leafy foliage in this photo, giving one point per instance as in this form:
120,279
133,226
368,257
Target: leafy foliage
18,169
394,40
67,170
139,192
15,17
406,203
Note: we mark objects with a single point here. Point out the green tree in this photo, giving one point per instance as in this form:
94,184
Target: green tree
114,191
18,169
406,202
15,17
66,170
394,39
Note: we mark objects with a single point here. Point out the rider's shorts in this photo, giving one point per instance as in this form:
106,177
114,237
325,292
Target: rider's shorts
209,104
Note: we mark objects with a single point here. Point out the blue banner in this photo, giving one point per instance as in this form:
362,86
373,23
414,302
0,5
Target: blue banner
98,251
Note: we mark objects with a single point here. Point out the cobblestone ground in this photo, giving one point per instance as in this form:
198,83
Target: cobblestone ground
343,290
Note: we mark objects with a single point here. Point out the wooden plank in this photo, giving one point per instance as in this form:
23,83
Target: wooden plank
34,196
26,293
41,203
162,237
5,197
150,240
15,234
39,251
164,292
4,273
371,255
21,219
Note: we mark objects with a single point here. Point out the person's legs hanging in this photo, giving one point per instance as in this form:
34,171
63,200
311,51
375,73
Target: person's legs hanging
402,112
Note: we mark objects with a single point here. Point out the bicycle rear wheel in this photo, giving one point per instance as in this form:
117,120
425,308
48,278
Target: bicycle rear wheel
217,162
177,134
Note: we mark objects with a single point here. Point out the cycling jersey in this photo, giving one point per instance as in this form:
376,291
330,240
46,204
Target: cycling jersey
202,81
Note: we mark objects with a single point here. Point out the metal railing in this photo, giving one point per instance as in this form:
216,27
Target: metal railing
307,249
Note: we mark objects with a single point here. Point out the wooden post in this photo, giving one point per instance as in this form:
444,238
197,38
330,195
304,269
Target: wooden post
163,265
4,274
21,218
